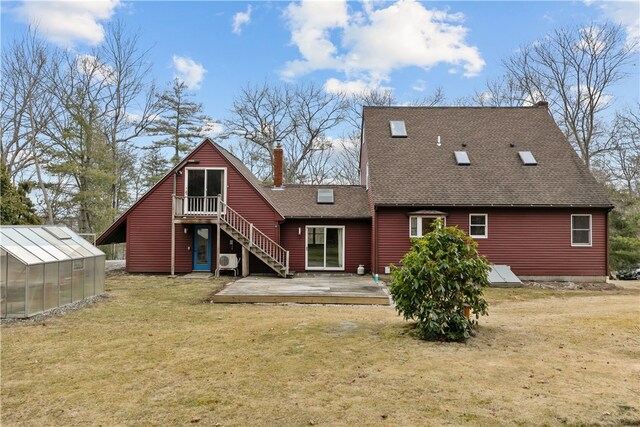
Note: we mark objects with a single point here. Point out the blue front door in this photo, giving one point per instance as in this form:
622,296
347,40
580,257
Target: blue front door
202,248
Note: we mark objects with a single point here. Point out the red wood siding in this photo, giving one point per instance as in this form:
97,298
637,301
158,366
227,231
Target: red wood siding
149,223
241,195
534,242
357,242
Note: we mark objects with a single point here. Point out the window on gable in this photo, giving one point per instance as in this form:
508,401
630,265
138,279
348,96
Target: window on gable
580,230
479,226
421,225
398,129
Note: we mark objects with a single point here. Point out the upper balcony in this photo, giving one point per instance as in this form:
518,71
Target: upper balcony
196,209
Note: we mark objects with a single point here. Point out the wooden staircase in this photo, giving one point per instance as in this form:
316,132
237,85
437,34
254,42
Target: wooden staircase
249,236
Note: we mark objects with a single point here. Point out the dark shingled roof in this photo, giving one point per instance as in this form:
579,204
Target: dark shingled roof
300,201
416,171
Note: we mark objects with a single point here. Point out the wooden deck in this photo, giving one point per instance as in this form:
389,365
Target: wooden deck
319,289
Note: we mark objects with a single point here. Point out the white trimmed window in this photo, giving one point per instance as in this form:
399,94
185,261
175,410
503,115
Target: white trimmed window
479,226
421,225
580,230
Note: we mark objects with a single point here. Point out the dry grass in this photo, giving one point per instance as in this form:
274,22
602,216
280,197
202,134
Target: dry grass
154,354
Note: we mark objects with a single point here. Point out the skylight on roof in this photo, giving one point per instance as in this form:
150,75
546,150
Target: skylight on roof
462,158
398,129
527,158
325,195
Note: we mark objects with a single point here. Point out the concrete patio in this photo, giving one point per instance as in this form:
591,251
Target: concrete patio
314,289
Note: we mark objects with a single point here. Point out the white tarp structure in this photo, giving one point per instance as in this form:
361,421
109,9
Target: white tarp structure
44,267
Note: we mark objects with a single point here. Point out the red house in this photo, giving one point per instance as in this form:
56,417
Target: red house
506,176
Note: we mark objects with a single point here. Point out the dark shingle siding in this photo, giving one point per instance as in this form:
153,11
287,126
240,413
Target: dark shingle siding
415,171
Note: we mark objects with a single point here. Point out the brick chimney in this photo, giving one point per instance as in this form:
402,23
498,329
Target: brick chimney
544,104
277,166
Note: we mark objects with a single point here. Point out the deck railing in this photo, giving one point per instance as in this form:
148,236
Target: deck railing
195,206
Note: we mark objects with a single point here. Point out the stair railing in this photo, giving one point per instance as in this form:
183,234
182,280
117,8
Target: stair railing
256,238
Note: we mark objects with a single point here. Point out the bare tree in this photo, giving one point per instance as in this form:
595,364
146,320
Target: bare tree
504,91
297,118
27,107
131,104
623,163
261,115
307,148
574,69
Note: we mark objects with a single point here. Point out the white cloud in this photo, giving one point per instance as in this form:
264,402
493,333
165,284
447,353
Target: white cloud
367,46
310,23
625,13
352,87
188,71
90,65
419,85
212,129
240,19
66,22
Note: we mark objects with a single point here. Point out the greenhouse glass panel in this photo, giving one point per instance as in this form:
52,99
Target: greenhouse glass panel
27,244
89,277
18,251
86,245
76,247
99,274
77,285
16,286
51,288
57,243
3,283
35,291
35,238
65,282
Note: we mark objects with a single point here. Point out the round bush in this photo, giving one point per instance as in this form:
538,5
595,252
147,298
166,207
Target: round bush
439,277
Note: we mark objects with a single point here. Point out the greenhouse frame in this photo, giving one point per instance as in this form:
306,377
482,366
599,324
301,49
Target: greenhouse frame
45,267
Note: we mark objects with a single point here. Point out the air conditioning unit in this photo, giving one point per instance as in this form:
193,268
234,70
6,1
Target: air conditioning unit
229,262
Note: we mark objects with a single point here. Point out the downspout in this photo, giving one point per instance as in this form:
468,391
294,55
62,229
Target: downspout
377,255
606,240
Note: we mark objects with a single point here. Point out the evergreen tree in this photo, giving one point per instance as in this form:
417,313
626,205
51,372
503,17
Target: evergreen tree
15,206
182,122
154,167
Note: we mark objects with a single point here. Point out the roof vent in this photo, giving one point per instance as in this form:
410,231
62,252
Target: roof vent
58,233
527,158
325,196
398,129
462,158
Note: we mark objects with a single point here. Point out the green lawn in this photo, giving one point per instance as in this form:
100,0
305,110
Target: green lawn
156,354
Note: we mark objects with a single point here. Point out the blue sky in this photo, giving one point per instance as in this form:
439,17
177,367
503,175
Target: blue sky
409,46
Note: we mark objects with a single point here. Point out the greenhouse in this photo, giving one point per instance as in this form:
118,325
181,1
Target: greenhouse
44,267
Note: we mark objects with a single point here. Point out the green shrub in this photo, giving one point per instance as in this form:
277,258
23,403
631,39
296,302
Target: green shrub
440,276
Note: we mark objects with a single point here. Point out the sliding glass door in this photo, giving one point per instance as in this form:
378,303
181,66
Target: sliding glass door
202,187
325,248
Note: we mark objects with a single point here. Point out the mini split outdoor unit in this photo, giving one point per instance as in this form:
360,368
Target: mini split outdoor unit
229,262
